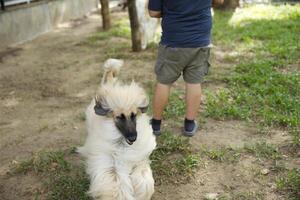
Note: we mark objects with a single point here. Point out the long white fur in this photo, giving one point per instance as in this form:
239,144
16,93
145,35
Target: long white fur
118,171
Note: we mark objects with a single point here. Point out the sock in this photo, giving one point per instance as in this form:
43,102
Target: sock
155,124
189,125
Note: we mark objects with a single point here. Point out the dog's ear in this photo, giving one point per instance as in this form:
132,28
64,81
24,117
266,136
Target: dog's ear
143,109
100,110
144,106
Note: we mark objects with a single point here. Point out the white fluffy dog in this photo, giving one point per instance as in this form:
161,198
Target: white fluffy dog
119,141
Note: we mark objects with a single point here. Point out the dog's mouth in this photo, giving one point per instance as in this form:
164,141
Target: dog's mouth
128,142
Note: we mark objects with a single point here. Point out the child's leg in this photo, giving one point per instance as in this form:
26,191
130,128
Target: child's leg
160,100
192,98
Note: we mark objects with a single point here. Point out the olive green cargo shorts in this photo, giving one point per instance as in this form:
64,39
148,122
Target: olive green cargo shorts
171,62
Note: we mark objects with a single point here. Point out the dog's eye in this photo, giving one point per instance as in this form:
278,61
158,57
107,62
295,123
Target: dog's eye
121,117
132,116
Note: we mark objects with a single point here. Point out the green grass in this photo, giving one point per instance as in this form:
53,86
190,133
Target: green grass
120,28
249,195
172,160
263,12
44,162
61,178
82,116
175,109
289,183
69,186
263,150
296,138
94,39
222,154
258,90
120,51
223,106
246,195
187,164
123,51
278,166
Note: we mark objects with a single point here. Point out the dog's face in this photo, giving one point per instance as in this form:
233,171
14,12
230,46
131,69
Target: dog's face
127,126
123,104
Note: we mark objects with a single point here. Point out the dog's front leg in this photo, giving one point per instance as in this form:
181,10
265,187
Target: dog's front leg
109,182
142,181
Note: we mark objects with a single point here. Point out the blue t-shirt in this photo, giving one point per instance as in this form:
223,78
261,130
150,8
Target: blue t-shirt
185,23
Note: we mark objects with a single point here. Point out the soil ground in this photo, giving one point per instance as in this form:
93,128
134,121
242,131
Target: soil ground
46,84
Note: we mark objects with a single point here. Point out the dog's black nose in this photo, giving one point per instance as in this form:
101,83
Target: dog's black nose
131,138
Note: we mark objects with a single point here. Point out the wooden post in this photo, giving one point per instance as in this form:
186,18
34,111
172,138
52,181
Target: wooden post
135,27
105,14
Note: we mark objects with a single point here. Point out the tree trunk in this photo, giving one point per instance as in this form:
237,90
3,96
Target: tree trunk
230,4
105,14
135,27
2,4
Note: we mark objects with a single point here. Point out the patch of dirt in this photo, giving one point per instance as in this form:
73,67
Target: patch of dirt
290,69
9,52
226,179
224,134
19,187
43,90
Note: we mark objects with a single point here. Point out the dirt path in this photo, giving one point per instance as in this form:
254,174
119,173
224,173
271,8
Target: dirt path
45,86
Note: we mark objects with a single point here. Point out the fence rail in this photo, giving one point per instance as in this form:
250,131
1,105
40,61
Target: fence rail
5,3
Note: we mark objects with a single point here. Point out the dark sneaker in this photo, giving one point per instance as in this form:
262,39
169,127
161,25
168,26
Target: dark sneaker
155,126
190,128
